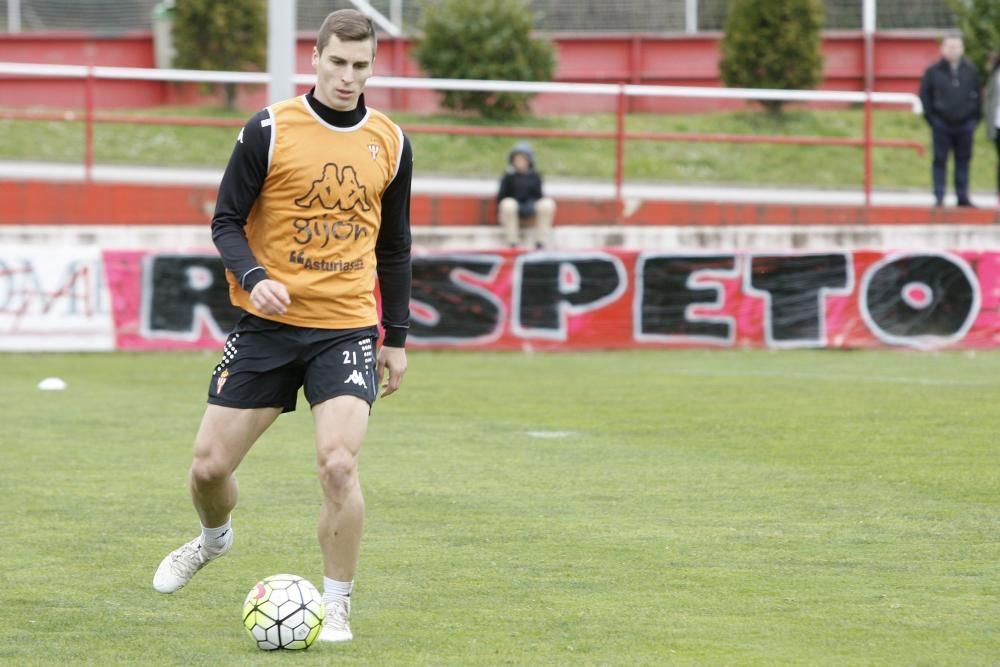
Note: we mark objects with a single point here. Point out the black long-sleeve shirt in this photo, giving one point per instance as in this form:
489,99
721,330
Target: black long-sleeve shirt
243,180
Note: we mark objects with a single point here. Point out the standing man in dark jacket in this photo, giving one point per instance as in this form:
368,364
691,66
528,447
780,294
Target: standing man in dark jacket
949,92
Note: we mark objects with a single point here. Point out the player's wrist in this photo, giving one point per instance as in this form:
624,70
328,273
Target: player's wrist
253,278
394,337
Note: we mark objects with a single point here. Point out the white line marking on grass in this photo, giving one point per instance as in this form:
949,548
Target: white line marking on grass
887,379
550,434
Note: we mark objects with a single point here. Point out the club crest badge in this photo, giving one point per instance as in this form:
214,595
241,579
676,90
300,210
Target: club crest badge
221,381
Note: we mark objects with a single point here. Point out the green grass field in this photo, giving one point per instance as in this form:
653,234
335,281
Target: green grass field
707,508
647,161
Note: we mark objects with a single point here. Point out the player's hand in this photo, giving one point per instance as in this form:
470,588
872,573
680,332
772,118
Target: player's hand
392,359
270,297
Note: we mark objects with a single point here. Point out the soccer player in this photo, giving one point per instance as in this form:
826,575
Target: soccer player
315,197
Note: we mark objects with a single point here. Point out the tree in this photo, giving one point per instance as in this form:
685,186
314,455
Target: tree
979,21
773,44
483,39
229,36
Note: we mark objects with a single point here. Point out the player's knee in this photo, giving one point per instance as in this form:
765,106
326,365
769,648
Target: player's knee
207,471
545,206
508,205
338,472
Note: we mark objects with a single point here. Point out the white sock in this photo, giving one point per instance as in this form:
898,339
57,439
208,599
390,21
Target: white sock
214,539
334,590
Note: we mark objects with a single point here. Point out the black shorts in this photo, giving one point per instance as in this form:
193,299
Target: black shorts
264,364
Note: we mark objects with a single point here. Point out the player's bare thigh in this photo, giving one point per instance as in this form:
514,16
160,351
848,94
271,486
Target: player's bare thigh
226,435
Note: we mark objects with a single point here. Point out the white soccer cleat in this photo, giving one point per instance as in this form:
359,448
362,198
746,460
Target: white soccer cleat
181,564
337,626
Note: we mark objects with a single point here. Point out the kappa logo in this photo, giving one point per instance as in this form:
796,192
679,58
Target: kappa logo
356,378
336,188
240,137
374,149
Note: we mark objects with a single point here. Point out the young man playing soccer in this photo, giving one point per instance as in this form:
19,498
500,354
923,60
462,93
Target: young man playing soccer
315,197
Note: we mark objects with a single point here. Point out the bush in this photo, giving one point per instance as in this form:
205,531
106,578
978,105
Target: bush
483,39
229,36
773,44
979,21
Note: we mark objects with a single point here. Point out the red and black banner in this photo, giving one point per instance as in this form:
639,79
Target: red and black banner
616,299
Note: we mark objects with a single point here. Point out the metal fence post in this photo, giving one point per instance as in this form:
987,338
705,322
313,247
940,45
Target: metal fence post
13,15
691,16
620,149
869,16
88,125
868,148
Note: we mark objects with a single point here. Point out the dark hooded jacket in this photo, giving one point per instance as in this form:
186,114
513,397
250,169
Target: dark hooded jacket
525,187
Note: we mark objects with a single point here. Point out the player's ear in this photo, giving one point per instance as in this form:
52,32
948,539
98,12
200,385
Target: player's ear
315,58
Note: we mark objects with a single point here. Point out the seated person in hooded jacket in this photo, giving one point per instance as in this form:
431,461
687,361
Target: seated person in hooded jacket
520,201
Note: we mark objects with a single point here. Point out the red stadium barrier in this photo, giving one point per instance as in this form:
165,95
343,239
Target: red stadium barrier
637,58
31,203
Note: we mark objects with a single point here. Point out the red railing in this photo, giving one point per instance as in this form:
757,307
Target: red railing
620,135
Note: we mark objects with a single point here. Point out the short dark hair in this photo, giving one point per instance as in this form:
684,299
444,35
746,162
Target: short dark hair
349,25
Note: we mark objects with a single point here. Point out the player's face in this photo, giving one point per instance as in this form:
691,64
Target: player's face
342,70
520,162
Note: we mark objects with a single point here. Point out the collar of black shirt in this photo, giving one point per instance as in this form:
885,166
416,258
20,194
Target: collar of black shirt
334,117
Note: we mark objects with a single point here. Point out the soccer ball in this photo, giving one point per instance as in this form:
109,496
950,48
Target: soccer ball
283,611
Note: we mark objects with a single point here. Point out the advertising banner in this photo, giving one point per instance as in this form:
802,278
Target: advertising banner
169,301
54,298
616,299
